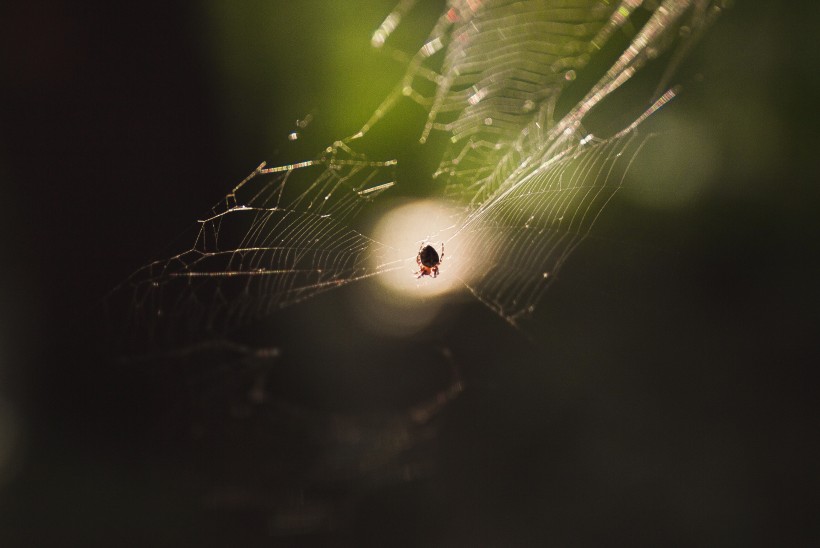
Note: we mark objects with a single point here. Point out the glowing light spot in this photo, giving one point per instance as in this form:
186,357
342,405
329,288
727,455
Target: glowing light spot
400,302
404,229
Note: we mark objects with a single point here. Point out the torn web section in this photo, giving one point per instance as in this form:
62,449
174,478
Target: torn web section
281,236
521,237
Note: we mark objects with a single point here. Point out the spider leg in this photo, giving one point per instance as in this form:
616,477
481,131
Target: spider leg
441,258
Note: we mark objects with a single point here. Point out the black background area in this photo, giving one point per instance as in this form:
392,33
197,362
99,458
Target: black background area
668,402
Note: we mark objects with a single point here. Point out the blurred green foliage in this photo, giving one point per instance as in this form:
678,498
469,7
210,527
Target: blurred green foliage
276,62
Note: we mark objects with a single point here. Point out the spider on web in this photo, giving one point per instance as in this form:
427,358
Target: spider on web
428,260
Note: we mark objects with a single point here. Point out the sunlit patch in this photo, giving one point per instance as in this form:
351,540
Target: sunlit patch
408,227
402,301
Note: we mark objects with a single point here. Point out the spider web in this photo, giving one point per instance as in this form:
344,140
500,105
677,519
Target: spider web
282,235
524,187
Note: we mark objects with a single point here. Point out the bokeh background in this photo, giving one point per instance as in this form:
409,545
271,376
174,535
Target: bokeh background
664,395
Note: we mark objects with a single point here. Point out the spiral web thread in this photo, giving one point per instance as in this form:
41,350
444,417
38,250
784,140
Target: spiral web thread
282,235
530,188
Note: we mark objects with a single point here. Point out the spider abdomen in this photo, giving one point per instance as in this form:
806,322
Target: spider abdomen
429,257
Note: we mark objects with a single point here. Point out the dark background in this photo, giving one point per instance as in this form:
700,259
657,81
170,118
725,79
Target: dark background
664,396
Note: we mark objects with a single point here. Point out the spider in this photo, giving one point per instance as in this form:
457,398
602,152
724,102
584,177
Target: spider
428,260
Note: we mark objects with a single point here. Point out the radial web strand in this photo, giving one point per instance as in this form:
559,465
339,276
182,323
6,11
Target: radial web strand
527,187
282,235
